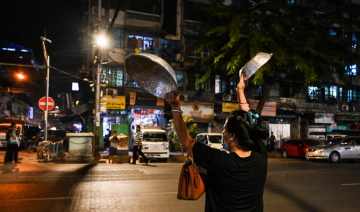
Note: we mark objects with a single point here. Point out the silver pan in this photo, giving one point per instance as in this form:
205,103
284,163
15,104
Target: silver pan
152,73
254,64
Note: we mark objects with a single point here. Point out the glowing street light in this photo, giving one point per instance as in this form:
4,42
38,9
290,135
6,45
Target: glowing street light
101,40
20,76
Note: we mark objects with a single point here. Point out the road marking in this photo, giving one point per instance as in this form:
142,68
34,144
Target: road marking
60,198
350,184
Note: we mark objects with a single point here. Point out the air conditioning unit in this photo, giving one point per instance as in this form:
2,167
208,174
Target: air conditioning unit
183,97
95,11
111,92
226,97
345,107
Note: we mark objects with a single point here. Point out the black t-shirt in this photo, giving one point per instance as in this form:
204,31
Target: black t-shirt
233,183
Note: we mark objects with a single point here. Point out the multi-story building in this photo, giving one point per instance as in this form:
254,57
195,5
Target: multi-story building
19,88
169,29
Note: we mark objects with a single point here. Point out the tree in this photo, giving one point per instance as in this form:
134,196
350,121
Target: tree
306,41
192,129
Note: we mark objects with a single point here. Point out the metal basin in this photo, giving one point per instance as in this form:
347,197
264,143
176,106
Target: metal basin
152,73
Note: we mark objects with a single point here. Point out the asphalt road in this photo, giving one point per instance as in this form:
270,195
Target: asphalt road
292,185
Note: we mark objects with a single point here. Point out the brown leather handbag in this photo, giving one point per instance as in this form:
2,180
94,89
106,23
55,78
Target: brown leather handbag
191,186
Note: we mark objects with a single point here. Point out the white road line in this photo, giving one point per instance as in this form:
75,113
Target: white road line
350,184
60,198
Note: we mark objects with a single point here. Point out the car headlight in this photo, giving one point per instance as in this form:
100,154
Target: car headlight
166,147
145,146
321,151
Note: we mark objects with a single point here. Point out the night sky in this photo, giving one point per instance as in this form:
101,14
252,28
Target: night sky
23,22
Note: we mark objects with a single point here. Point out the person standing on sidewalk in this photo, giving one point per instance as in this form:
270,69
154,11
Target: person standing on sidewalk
137,147
235,180
272,142
12,145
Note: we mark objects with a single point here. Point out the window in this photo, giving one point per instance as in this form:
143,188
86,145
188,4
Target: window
291,1
197,84
333,92
351,69
349,95
118,35
217,84
354,39
233,87
275,90
332,32
355,99
223,85
169,49
144,43
314,92
326,93
103,75
180,78
129,81
340,94
119,77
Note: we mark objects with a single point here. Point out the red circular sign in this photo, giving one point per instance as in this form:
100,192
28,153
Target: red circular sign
42,103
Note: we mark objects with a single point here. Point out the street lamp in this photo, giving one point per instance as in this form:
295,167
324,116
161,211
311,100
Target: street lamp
101,40
20,76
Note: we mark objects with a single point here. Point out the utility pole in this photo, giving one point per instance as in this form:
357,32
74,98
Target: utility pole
97,89
47,59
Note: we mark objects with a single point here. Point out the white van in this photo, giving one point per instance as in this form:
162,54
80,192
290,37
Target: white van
155,143
211,139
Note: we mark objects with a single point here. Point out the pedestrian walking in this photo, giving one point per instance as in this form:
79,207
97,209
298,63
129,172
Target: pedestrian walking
137,149
12,145
271,143
114,142
235,179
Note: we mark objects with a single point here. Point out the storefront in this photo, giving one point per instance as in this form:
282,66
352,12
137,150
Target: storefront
115,118
145,110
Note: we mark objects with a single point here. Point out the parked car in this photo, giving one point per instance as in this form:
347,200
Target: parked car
211,139
336,150
296,147
324,136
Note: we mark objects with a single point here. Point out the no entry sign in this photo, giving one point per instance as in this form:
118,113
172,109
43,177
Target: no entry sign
42,103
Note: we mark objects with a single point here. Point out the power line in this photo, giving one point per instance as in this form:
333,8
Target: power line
66,73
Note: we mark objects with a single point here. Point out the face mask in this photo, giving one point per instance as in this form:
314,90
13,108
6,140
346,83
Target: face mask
225,145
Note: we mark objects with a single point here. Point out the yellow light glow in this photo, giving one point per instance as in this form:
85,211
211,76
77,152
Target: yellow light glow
20,76
101,40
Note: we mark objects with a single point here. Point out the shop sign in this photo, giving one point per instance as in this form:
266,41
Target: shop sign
199,112
117,102
326,118
160,102
227,107
269,108
132,98
347,118
333,125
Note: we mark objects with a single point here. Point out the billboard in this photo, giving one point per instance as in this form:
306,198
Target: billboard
199,112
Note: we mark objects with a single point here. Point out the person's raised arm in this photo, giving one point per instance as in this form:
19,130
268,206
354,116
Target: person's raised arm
241,94
180,126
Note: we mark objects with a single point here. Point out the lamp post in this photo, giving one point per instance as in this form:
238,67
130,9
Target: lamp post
101,41
47,59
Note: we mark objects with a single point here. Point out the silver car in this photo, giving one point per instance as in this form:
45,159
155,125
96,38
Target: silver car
336,149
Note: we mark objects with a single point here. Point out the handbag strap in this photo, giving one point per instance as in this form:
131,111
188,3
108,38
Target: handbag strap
190,153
